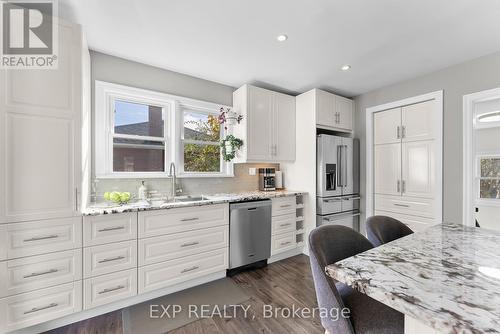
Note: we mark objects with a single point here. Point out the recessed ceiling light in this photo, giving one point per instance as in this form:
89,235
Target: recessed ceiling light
282,38
490,117
345,67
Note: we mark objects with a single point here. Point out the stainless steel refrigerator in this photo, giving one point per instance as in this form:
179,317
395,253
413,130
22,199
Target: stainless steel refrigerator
337,175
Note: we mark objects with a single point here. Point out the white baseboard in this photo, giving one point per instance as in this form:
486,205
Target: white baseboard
86,314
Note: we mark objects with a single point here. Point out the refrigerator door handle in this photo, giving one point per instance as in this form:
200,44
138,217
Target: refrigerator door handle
344,165
340,166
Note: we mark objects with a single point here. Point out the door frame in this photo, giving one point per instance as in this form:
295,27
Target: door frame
468,162
438,97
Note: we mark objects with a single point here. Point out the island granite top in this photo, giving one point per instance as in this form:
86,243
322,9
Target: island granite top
103,209
447,277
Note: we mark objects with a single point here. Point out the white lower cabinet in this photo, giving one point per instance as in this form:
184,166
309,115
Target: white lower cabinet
283,224
105,259
422,207
31,308
283,242
42,271
417,224
98,230
176,271
109,288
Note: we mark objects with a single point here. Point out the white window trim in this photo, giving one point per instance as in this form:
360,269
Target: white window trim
106,93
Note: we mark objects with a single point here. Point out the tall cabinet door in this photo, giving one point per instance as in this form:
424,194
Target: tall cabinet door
260,124
41,143
284,129
387,169
387,126
418,169
418,121
345,108
325,108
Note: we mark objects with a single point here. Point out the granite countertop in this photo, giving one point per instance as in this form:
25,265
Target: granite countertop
103,209
447,277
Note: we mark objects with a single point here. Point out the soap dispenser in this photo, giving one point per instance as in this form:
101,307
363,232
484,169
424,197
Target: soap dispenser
142,192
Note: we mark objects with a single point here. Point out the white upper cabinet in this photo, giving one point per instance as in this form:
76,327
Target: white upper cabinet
387,127
268,125
333,111
418,121
40,154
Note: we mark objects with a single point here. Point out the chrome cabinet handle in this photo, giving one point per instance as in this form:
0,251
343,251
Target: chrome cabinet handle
190,244
403,131
189,219
50,271
285,243
36,309
189,269
403,187
398,133
111,259
283,225
399,186
111,228
119,287
53,236
285,206
403,205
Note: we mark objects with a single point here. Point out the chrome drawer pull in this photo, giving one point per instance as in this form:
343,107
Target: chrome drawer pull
111,259
119,287
351,198
190,244
111,229
189,269
53,236
332,200
285,243
189,219
36,309
283,225
403,205
51,271
285,206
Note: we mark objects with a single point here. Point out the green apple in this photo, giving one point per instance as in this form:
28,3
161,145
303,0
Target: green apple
125,196
115,196
106,196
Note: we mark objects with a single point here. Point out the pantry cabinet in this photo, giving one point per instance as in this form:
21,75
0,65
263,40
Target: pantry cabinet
268,125
333,111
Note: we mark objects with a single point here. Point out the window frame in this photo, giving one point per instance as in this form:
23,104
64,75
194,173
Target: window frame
107,93
478,178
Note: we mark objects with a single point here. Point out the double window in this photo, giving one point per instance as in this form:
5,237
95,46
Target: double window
489,177
138,133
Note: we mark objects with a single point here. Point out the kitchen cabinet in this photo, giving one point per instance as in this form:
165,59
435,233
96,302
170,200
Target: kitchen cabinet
418,166
418,122
387,127
268,125
387,169
333,111
41,112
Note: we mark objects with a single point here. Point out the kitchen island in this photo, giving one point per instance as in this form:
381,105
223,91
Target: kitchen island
445,279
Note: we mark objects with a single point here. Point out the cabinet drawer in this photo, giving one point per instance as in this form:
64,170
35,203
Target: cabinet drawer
173,272
39,306
109,288
38,272
105,259
283,205
283,224
172,246
98,230
417,224
421,207
158,222
40,237
282,242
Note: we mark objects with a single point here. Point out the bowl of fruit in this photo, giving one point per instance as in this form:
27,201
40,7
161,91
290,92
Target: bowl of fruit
120,198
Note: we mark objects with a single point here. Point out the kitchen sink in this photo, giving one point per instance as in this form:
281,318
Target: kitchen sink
190,198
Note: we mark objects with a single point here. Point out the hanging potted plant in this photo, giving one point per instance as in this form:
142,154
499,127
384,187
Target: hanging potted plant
229,146
229,117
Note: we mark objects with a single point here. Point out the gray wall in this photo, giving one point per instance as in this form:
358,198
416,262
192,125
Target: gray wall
458,80
121,71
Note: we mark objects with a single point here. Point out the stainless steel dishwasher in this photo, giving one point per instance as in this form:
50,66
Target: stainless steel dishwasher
249,234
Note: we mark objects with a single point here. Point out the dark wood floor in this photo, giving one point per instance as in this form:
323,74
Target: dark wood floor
281,284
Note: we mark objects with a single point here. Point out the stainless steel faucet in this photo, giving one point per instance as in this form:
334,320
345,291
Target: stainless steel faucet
174,179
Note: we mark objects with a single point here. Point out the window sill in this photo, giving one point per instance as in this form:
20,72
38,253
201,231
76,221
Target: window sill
160,176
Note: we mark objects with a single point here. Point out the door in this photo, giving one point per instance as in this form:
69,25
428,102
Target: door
387,169
284,127
387,126
328,165
418,121
418,169
325,108
260,124
348,170
344,109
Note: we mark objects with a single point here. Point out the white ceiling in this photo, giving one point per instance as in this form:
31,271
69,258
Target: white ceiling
234,41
